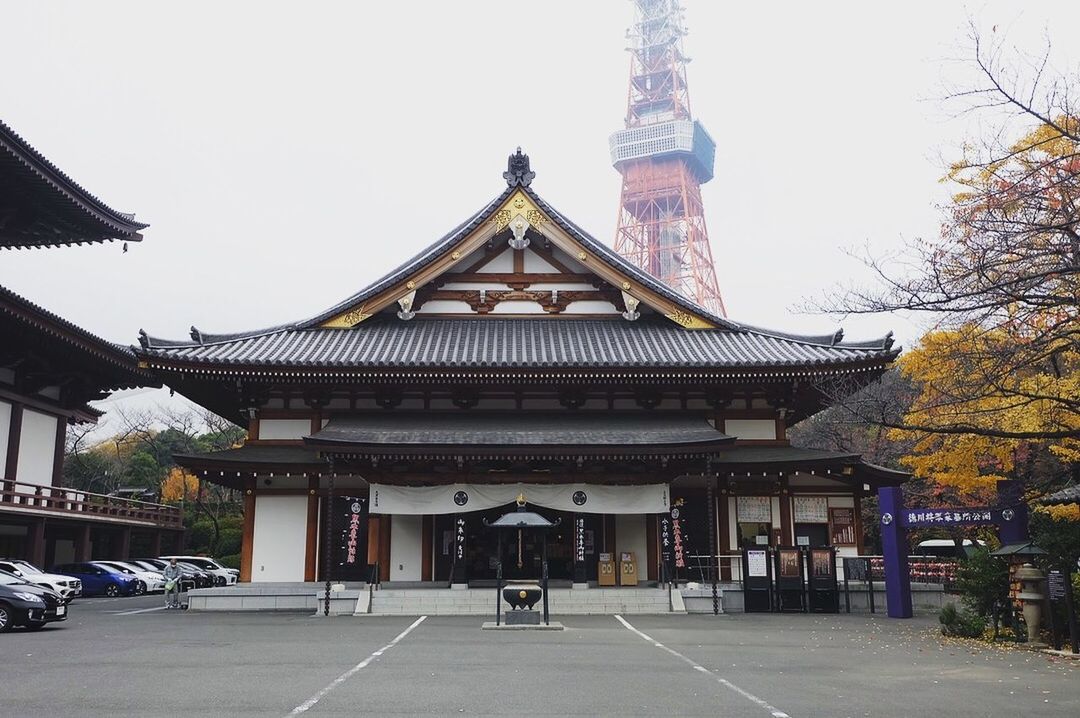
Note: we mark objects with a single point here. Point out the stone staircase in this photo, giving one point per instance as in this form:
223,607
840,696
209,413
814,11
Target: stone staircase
562,601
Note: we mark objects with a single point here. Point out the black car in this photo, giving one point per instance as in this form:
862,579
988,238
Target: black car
203,579
29,605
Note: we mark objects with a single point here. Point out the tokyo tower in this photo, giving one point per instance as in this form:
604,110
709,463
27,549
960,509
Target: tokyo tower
664,156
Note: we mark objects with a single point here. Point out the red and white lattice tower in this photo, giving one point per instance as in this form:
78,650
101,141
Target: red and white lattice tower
664,156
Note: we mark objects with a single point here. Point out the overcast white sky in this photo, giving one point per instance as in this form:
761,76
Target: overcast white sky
287,154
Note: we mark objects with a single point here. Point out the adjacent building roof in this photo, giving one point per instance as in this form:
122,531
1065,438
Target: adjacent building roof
32,333
40,206
1068,495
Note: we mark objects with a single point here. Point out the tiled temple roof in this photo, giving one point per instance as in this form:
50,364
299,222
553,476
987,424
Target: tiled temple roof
455,342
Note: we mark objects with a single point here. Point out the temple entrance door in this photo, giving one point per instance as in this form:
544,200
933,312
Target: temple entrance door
483,547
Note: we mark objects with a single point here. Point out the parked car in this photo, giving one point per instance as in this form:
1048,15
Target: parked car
200,578
67,586
222,576
203,579
26,604
149,581
100,580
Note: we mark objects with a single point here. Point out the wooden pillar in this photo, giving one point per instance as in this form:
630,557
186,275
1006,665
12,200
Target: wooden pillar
36,539
723,527
248,537
124,550
427,546
58,451
311,548
652,547
373,539
155,544
82,543
859,538
787,526
384,549
11,467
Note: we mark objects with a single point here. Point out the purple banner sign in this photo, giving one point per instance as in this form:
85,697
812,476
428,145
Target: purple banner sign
981,515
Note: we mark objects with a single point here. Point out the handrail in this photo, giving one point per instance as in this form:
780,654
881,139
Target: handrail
67,501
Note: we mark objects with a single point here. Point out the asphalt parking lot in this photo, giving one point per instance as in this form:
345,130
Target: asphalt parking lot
126,657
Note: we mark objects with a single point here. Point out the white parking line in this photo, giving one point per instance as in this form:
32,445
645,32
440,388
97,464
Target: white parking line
140,610
352,671
776,712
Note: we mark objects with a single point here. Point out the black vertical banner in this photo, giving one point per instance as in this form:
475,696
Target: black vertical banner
350,553
461,553
667,547
580,574
678,537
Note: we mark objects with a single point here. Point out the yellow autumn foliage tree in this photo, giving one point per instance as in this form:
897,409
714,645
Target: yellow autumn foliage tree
179,484
967,423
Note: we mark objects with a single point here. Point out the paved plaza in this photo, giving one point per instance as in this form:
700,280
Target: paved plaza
126,657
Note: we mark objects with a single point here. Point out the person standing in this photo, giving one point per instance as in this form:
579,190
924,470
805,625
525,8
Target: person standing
172,584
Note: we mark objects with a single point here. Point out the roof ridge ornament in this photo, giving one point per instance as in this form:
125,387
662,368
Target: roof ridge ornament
518,173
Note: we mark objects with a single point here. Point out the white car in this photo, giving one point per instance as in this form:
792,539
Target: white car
222,576
149,581
67,586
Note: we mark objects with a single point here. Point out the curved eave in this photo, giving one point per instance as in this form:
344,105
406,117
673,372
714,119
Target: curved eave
41,175
211,370
42,320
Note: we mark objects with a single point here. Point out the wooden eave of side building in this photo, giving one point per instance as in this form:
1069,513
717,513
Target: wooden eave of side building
41,206
44,350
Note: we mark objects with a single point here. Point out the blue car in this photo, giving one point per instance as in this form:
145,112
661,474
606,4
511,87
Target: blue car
99,580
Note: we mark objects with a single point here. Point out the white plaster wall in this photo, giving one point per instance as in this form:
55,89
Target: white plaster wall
5,427
518,307
280,538
503,264
406,548
445,306
590,307
630,536
750,428
534,263
284,428
37,448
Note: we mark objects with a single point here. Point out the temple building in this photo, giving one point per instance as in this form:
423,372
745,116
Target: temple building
519,356
50,370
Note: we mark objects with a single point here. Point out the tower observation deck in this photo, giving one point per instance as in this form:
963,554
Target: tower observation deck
664,156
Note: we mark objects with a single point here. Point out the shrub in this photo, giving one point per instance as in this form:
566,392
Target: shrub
961,623
229,541
230,561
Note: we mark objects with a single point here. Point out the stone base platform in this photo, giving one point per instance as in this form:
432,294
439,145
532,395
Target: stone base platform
358,599
297,597
553,626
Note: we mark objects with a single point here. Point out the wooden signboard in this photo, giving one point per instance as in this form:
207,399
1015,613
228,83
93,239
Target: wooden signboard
628,573
606,570
842,526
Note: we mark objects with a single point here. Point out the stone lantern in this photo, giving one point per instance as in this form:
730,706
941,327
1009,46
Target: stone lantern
1031,594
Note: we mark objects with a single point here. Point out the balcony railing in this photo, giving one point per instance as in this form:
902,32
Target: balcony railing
73,503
